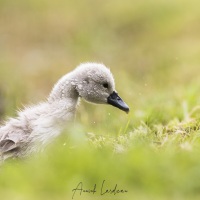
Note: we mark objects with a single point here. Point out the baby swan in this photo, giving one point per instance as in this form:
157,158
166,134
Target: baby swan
37,126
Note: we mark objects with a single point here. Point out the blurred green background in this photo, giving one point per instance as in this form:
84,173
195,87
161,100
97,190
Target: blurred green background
153,50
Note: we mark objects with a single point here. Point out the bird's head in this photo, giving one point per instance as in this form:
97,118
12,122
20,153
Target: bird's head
96,84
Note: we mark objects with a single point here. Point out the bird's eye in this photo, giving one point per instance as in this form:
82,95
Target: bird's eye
87,80
105,85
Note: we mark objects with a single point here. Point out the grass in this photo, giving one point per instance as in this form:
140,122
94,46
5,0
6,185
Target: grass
153,51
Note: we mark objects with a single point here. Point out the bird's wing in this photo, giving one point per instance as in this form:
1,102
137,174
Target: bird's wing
7,145
10,146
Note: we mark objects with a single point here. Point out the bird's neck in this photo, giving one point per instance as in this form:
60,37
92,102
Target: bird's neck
64,98
64,89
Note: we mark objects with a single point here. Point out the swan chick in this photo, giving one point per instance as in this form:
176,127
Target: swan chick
38,125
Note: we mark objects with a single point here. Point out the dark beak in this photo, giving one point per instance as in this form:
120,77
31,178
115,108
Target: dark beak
116,101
